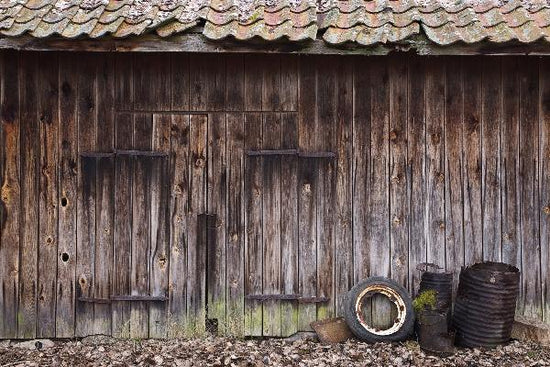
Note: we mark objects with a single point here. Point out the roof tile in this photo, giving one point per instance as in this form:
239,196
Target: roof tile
366,22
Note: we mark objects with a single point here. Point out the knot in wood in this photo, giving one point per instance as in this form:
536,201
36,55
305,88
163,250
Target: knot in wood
441,177
162,261
442,224
546,210
393,135
395,178
396,221
178,189
199,162
436,138
307,188
49,240
5,192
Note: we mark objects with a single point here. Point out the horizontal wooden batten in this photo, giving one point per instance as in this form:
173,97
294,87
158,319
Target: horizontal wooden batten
135,153
124,299
289,152
287,297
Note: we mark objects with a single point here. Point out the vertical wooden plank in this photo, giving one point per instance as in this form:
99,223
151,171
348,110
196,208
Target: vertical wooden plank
123,226
253,81
416,142
122,245
105,193
196,281
158,261
215,79
86,236
289,225
307,189
271,220
234,84
399,206
235,241
160,229
490,172
141,226
307,236
207,82
326,119
30,134
288,99
151,80
511,253
253,219
530,301
47,246
471,146
454,200
140,246
217,205
179,206
378,232
86,244
68,181
10,200
544,183
180,92
361,167
124,86
271,86
343,260
435,163
103,260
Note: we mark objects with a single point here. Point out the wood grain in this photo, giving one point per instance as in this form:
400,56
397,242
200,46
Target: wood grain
490,176
454,162
10,194
30,153
253,221
528,178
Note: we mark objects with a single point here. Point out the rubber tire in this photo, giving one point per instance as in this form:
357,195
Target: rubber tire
363,334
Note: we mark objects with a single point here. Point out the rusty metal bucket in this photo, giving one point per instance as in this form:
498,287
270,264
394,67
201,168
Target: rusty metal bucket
334,330
485,304
433,334
442,283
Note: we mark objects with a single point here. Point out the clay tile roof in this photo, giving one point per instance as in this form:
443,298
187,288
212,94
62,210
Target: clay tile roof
366,22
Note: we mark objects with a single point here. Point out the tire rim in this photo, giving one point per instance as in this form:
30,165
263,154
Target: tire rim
393,296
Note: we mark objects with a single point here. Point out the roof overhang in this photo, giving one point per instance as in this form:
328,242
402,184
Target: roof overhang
196,42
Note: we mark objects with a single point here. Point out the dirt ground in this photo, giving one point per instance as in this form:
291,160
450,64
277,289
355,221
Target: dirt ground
217,351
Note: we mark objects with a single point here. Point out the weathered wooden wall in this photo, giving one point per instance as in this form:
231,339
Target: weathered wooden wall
437,159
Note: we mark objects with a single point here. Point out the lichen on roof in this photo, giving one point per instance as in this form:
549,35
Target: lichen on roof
365,22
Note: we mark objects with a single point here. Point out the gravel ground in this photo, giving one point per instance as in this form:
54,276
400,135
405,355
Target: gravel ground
217,351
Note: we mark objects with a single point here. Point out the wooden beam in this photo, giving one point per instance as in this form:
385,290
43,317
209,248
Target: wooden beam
196,42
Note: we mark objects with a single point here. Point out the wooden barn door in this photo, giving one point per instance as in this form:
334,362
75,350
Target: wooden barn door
289,200
141,266
124,201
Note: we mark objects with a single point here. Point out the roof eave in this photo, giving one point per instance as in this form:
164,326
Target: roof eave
198,43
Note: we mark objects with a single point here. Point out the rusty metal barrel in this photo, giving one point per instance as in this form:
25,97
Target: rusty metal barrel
485,304
442,283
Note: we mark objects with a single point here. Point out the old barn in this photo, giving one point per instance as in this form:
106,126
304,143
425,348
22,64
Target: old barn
171,165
